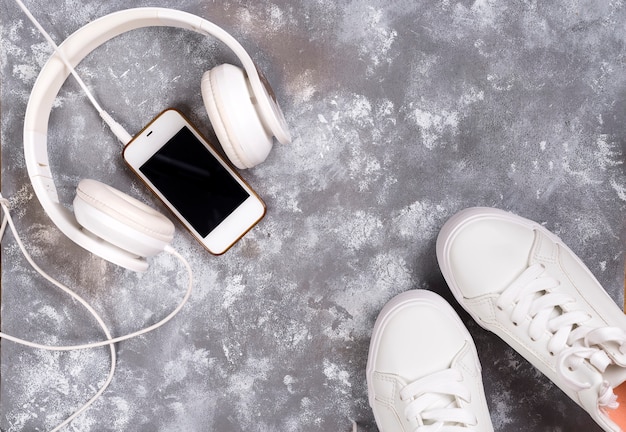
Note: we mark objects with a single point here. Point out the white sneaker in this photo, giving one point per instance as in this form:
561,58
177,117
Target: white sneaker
423,372
521,282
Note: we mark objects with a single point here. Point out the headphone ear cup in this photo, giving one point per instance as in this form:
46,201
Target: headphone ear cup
121,219
234,117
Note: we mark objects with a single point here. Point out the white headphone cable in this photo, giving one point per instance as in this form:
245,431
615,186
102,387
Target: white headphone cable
110,340
7,218
67,290
116,128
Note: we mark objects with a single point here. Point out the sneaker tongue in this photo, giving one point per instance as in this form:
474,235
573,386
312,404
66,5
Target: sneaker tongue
615,375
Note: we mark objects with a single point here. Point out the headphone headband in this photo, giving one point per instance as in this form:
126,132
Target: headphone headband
53,75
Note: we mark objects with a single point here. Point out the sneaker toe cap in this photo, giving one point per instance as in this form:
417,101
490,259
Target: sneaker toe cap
419,338
483,254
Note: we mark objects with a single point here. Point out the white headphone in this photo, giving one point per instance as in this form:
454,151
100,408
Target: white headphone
241,106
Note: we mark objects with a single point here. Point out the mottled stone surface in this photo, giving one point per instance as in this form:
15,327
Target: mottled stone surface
402,112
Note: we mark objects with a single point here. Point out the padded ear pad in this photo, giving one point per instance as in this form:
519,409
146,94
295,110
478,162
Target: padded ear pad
120,219
234,117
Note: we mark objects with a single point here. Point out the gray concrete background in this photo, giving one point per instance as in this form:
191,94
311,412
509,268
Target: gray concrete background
402,112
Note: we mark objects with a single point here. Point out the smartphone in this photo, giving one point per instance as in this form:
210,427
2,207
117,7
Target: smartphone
194,181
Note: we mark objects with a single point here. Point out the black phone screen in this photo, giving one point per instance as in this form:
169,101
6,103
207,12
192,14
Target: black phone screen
194,182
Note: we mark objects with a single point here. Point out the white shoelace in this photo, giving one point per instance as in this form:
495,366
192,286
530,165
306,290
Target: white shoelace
535,294
433,402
